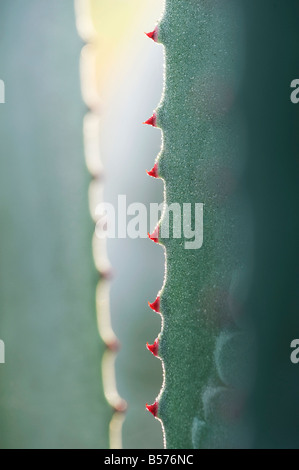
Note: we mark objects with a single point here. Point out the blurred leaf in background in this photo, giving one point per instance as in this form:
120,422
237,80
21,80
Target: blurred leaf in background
130,68
50,387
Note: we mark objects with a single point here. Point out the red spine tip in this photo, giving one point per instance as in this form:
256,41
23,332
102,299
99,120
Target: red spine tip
155,235
154,171
155,306
153,408
113,345
153,34
107,275
152,121
153,348
121,406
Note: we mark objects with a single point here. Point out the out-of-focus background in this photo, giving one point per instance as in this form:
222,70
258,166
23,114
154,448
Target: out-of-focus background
130,80
51,381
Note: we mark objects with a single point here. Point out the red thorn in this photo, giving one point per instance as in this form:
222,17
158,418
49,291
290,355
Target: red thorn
153,348
153,408
154,171
121,406
113,345
152,121
108,274
155,306
155,235
153,34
